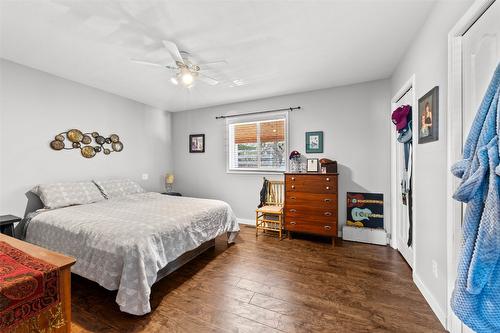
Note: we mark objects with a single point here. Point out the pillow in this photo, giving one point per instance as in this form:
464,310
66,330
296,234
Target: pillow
59,195
114,188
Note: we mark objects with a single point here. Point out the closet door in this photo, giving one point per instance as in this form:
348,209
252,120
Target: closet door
481,55
402,210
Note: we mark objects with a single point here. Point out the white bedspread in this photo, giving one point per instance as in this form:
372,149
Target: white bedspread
122,243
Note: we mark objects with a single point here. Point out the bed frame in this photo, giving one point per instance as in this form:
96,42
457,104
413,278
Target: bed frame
184,259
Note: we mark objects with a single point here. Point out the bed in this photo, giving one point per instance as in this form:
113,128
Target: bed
129,242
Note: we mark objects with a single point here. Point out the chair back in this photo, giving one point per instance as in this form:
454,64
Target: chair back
275,193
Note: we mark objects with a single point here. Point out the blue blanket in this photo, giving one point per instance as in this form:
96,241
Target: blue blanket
476,297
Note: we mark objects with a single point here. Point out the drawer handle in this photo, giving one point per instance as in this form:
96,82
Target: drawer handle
293,186
328,214
328,187
327,179
328,200
293,198
293,178
293,210
327,227
293,222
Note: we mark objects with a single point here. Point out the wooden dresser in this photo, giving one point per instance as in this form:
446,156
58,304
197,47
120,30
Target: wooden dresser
311,203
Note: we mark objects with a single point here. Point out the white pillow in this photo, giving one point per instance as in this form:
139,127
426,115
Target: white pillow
57,195
114,188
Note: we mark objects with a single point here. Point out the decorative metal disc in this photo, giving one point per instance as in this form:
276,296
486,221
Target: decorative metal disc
108,141
114,138
86,140
117,146
97,149
95,134
88,151
60,137
75,135
107,151
57,145
100,140
76,145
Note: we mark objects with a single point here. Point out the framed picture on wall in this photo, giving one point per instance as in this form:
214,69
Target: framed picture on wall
314,142
428,116
197,143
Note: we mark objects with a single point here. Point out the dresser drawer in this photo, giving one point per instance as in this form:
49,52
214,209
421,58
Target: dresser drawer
325,228
312,186
312,200
311,215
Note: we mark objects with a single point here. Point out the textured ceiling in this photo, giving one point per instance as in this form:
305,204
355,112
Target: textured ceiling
271,47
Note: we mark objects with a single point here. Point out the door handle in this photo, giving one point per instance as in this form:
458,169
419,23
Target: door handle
328,214
293,178
328,200
293,198
327,179
327,227
293,186
292,222
328,187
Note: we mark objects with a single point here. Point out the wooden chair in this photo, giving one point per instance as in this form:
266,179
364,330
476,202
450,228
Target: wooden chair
270,216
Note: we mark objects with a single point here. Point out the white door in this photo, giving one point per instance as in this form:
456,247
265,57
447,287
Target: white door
481,55
402,212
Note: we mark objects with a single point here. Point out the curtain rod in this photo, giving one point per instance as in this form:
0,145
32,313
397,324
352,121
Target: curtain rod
257,112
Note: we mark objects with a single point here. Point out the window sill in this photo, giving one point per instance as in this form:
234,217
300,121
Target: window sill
255,172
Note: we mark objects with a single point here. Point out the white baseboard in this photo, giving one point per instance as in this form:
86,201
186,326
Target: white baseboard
364,235
245,221
430,299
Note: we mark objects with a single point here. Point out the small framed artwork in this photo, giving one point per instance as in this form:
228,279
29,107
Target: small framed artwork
428,116
312,165
197,143
314,142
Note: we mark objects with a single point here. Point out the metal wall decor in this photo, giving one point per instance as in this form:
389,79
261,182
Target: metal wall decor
83,141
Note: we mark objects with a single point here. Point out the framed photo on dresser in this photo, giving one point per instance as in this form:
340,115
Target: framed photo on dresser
312,165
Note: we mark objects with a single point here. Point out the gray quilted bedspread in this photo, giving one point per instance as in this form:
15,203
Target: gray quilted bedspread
122,243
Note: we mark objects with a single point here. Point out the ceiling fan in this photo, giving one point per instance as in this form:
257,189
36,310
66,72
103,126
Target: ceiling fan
186,72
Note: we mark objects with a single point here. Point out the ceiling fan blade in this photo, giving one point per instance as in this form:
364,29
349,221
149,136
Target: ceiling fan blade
173,50
149,63
210,63
145,62
207,79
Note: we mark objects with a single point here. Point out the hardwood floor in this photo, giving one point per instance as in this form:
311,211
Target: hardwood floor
267,285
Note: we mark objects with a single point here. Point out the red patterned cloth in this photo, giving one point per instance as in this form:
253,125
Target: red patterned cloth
28,286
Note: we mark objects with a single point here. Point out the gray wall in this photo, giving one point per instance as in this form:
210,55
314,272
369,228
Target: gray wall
356,124
35,106
428,60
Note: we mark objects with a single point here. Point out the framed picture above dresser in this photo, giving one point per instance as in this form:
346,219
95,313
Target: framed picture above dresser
311,203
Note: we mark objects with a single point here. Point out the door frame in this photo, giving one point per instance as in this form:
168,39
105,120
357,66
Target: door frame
409,84
455,141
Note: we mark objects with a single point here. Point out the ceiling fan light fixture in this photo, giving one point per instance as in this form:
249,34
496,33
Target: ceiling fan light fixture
187,78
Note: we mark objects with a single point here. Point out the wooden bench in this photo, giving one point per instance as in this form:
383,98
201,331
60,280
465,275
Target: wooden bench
64,264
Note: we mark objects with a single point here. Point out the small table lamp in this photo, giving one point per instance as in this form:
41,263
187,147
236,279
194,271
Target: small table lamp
169,182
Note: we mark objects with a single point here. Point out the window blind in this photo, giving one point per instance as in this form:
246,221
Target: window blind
258,144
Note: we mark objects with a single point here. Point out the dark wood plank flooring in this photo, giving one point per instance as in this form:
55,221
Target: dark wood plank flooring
267,285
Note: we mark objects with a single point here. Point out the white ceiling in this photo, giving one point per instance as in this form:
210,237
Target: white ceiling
272,47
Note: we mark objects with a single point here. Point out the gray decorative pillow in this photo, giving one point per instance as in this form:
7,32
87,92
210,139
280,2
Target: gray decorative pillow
59,195
115,188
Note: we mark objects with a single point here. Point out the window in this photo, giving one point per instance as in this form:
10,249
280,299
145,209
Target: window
258,144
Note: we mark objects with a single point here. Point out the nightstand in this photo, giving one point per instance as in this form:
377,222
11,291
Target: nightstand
175,194
7,224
